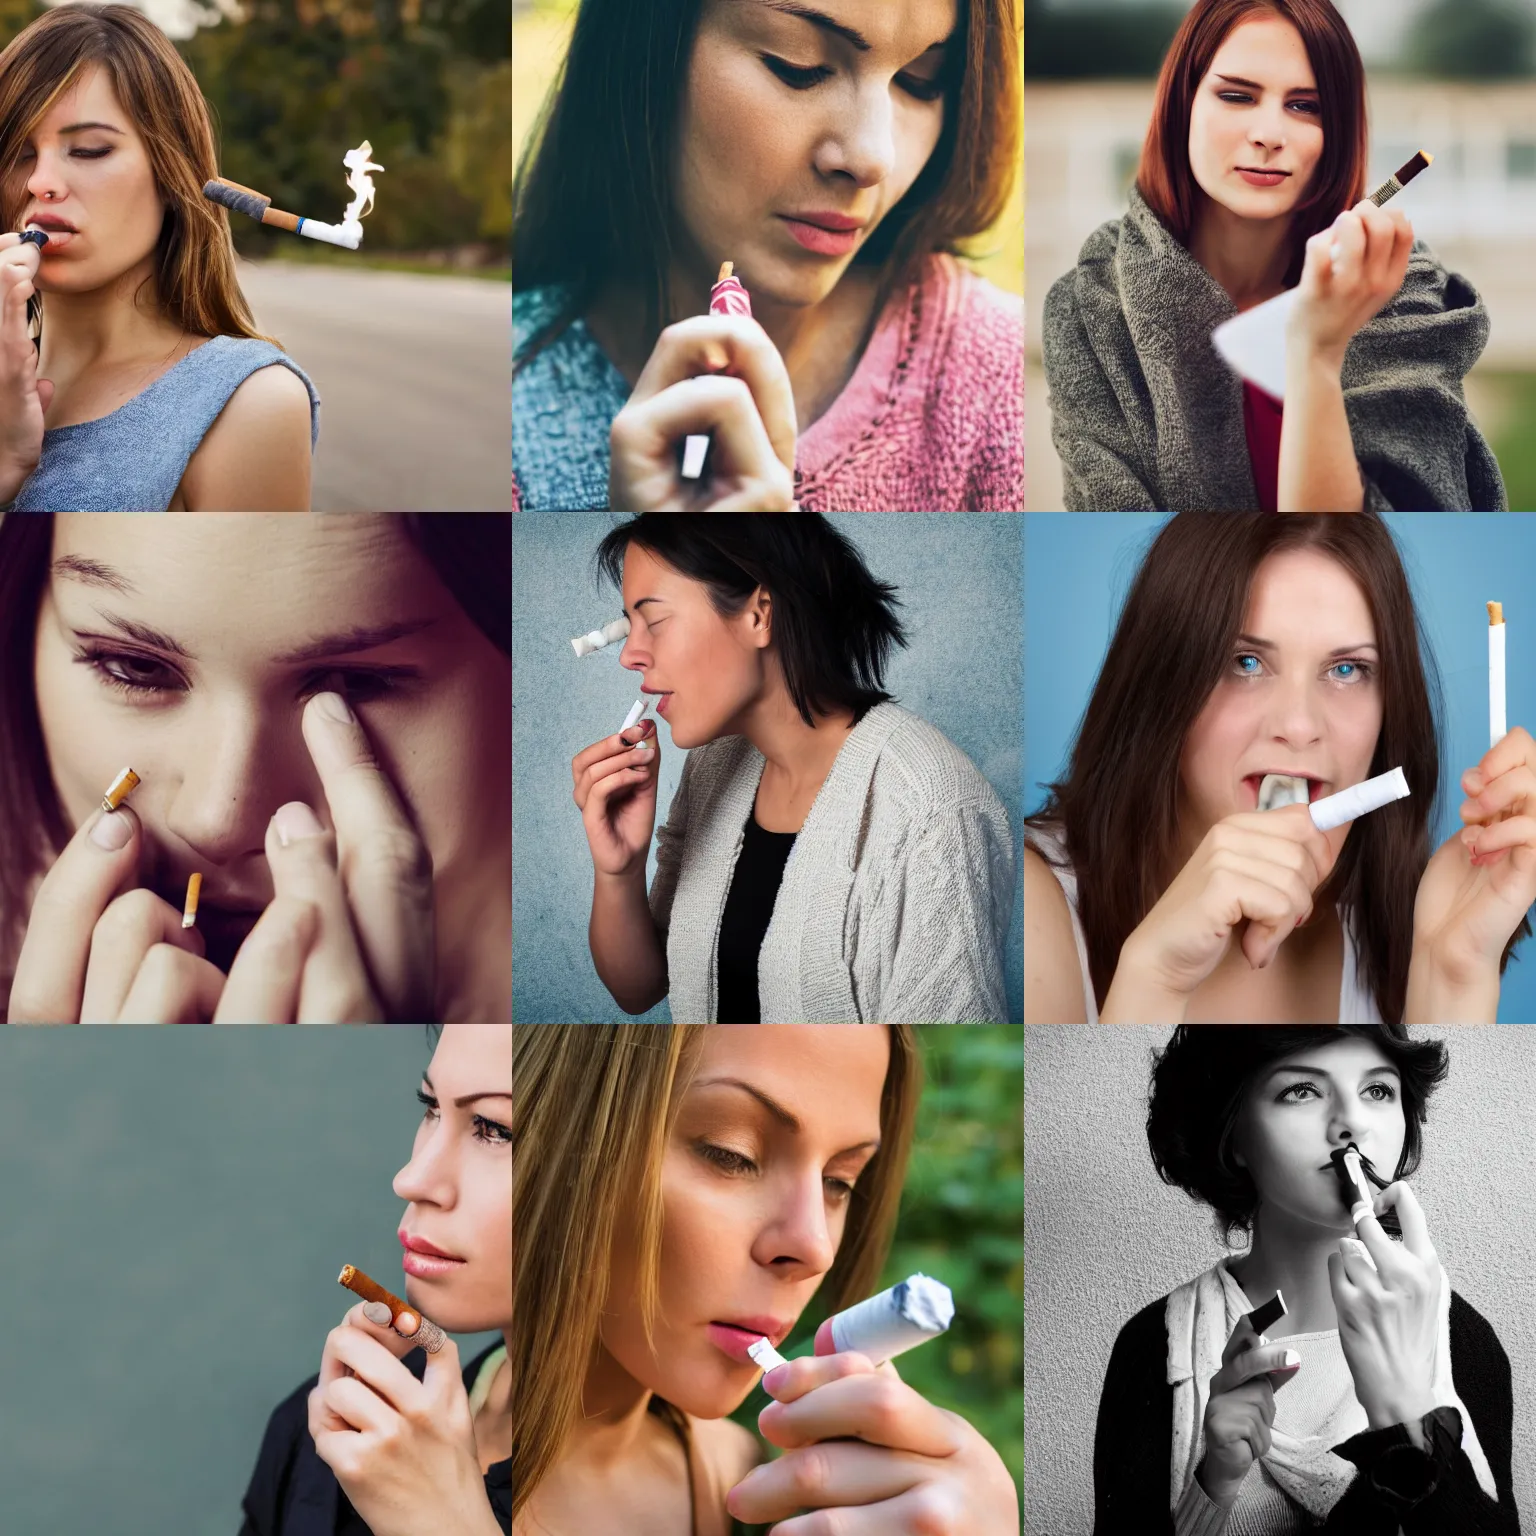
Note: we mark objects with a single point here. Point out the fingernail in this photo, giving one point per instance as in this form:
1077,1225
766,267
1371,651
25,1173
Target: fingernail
112,831
377,1312
1473,781
295,820
776,1378
1292,1358
334,707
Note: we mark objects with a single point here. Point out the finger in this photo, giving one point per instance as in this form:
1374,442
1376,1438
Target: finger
1513,832
823,1477
1380,245
1360,1266
1514,747
1240,1340
1347,249
173,987
723,407
268,973
789,1382
386,869
353,1404
615,777
1399,1197
1514,788
610,746
929,1505
125,933
865,1406
50,973
1254,1365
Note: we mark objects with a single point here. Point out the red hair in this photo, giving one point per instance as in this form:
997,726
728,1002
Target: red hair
1164,176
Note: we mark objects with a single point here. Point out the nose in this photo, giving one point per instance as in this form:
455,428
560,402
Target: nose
634,655
46,183
428,1179
797,1240
1269,128
863,146
1293,714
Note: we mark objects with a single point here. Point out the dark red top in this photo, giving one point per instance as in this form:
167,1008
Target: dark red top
1262,418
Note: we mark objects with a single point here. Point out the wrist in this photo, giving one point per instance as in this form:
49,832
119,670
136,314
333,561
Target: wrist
1448,988
1137,995
1406,1409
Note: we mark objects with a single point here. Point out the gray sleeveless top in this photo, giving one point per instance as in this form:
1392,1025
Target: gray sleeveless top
133,459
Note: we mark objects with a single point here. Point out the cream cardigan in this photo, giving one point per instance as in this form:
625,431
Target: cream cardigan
895,902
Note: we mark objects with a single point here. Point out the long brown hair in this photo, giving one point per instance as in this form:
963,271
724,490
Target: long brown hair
195,257
1164,177
1118,804
592,1108
592,199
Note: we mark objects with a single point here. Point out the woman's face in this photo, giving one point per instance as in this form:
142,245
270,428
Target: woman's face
1301,694
779,1121
712,668
187,647
86,164
787,117
1297,1112
459,1182
1257,111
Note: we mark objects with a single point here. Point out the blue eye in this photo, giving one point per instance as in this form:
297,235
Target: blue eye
1246,671
1355,672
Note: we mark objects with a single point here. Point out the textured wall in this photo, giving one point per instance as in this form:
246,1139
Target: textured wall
959,577
1078,571
1103,1236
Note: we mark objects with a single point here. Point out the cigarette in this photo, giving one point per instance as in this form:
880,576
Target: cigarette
37,237
765,1356
1281,789
1363,1206
427,1334
257,205
596,639
1359,799
887,1325
727,297
1388,189
636,709
1496,719
1262,1319
122,786
194,890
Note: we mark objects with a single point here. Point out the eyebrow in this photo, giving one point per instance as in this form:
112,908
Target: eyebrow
1253,85
469,1098
1269,645
777,1110
641,604
81,127
1316,1071
827,24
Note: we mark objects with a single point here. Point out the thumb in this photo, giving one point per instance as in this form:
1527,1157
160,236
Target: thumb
45,393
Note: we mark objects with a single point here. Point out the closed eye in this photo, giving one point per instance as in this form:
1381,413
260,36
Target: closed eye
805,77
1305,106
143,679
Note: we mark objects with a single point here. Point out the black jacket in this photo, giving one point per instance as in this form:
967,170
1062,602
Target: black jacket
294,1493
1133,1445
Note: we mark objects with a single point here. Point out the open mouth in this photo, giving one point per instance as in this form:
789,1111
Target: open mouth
1251,782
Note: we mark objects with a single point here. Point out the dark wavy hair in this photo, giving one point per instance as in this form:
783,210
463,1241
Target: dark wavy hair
1199,1083
834,623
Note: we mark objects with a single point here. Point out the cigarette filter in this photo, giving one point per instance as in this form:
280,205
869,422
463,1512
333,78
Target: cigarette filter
37,237
1359,799
1496,720
765,1356
1395,183
1262,1319
896,1320
194,890
596,639
428,1334
636,709
727,297
1356,1173
122,786
1278,789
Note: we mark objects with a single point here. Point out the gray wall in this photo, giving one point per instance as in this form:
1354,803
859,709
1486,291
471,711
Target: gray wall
960,580
175,1208
1103,1236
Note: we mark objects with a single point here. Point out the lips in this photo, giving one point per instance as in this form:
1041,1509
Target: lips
838,223
1260,178
50,222
1315,785
413,1244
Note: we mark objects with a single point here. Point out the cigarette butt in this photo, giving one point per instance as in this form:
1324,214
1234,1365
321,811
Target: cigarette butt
636,709
765,1356
122,786
726,268
427,1333
194,890
695,446
1495,613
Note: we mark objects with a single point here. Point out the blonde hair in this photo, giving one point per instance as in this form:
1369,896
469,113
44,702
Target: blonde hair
592,1107
195,256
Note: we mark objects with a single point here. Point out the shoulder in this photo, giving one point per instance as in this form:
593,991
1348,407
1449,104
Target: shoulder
988,316
728,1451
1053,980
925,773
1436,308
1142,1343
256,455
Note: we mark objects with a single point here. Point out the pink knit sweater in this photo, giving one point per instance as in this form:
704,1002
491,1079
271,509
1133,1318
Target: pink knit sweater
933,418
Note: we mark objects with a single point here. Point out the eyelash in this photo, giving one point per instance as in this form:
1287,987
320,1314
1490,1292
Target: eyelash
799,78
384,680
77,154
733,1162
483,1127
1312,109
1387,1095
1365,668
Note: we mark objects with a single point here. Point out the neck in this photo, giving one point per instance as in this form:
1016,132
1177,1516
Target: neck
800,756
614,1418
104,325
1291,1257
1248,257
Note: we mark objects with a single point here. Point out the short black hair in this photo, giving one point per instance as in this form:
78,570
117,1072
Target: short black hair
1200,1080
834,623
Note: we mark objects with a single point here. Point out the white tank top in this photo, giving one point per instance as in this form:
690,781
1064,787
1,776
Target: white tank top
1356,1005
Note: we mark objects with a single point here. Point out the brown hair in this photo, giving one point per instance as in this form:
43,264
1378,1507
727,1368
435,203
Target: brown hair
1164,177
195,257
1170,648
592,1108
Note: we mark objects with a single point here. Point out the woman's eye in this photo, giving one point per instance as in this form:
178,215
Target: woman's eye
1351,671
1381,1093
1240,663
923,90
492,1131
1311,108
1234,96
1297,1092
91,154
797,77
133,676
724,1158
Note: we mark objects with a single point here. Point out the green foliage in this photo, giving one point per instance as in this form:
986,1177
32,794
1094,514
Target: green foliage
1098,41
1473,40
962,1221
16,15
1515,443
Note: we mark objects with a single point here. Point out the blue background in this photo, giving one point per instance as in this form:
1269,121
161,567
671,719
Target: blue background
1078,569
959,580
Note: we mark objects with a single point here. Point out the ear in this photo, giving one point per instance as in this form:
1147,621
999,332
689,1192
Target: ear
761,609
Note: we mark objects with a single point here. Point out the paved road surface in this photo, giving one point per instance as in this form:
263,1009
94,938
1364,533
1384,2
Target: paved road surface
414,374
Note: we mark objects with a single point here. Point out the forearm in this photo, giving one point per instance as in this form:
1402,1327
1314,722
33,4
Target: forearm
626,949
1318,469
1134,997
1441,994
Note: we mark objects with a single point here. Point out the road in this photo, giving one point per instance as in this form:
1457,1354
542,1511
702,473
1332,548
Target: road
414,373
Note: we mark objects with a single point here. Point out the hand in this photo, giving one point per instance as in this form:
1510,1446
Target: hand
1481,883
403,1450
23,396
717,374
1337,297
615,788
1259,865
860,1441
1389,1316
1240,1412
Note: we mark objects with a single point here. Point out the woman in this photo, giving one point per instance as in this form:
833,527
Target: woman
1252,181
670,1184
837,155
319,712
388,1440
144,385
828,857
1396,1413
1154,891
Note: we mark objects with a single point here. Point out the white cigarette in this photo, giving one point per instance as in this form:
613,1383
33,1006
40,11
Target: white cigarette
596,639
636,709
694,449
1364,1206
349,235
1334,810
765,1356
896,1320
1496,719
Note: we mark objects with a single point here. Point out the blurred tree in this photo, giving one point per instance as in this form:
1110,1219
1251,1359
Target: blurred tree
16,14
1097,41
1473,40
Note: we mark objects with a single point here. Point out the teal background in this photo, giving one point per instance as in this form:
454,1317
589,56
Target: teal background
1078,569
177,1205
960,578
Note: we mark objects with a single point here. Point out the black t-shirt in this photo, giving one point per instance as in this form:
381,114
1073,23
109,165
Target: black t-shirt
748,909
294,1493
